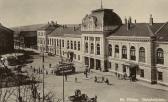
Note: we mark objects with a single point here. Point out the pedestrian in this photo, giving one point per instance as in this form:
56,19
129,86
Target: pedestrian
125,75
95,79
102,79
86,74
76,79
65,77
107,81
95,99
34,70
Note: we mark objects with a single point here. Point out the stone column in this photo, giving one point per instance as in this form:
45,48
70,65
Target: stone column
137,52
120,51
128,51
102,65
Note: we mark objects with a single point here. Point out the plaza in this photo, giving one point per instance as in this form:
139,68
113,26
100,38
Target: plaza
117,91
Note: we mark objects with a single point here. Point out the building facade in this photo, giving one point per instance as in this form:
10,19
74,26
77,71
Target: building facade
6,40
103,42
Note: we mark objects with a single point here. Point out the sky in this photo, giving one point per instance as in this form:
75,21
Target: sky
27,12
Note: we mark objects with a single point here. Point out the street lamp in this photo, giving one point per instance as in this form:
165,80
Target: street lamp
62,73
43,70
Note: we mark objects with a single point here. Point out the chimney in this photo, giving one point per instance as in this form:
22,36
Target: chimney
126,21
129,23
130,20
151,20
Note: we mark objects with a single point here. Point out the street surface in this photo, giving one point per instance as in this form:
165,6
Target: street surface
117,91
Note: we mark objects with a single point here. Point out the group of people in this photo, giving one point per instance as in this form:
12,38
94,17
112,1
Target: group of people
103,80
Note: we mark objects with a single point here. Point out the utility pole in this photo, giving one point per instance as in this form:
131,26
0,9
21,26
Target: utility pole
62,73
43,72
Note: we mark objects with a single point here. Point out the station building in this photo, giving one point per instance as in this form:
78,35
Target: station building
105,43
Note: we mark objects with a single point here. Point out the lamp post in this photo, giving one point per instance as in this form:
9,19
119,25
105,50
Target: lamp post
63,98
43,71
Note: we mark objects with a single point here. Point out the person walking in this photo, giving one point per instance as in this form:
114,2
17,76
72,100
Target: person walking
76,79
107,81
102,79
95,79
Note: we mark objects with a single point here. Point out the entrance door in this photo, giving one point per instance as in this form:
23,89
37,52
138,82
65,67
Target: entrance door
133,73
86,61
98,64
91,63
71,56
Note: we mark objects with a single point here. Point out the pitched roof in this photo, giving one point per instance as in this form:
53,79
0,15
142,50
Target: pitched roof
138,29
155,26
34,27
67,31
162,32
28,33
48,27
2,29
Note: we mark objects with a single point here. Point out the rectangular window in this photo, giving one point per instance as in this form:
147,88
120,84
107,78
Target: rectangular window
74,45
109,65
85,37
68,44
74,56
57,42
141,73
116,67
91,48
124,68
78,57
160,76
62,43
71,44
91,38
97,38
78,46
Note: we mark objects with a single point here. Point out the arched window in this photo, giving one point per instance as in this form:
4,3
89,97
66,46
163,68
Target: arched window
74,45
91,48
78,45
160,56
117,51
132,53
142,54
124,52
98,49
86,47
110,50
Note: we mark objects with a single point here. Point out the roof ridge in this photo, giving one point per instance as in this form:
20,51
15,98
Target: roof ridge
161,28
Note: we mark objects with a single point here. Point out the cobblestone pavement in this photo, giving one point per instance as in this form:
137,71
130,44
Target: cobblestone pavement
117,91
